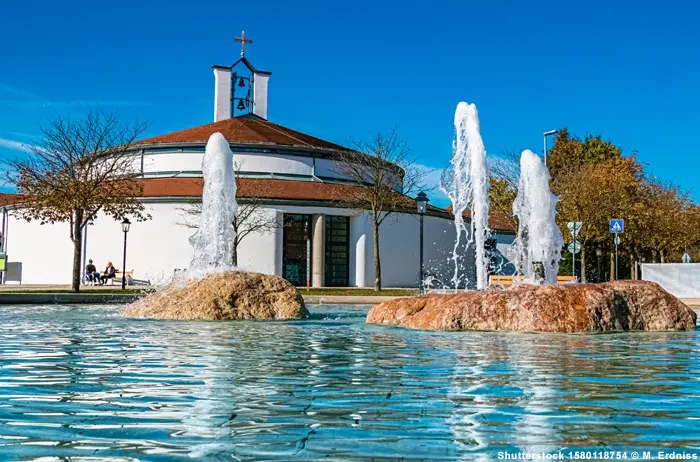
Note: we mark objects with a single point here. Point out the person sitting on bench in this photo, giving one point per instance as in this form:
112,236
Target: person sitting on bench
110,273
91,273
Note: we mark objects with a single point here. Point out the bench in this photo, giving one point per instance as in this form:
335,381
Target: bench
118,277
506,281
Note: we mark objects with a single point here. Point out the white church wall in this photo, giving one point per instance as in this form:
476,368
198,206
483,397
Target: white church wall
327,168
248,162
273,163
172,162
157,247
399,249
258,251
45,251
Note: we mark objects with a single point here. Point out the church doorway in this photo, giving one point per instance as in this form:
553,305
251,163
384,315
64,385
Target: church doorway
296,237
337,251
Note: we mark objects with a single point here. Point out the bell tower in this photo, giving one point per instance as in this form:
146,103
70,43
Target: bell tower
240,89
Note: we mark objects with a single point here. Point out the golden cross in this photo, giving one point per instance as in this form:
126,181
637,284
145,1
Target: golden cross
243,41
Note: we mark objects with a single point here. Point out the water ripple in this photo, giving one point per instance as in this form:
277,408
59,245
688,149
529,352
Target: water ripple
82,383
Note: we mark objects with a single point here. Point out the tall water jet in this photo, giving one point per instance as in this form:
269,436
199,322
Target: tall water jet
213,241
539,241
466,183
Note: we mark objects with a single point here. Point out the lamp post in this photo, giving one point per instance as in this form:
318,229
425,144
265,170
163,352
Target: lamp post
125,227
421,204
545,135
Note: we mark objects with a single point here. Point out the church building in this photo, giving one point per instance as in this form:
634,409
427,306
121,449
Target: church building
294,191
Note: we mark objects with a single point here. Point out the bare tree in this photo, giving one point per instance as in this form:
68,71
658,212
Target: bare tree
79,169
506,167
385,177
249,218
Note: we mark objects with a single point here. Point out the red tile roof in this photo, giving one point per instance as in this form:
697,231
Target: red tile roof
498,221
249,187
245,130
263,188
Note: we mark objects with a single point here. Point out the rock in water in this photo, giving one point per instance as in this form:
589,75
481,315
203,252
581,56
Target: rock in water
224,296
613,306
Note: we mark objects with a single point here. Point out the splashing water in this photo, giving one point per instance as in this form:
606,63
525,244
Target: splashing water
466,183
539,238
213,241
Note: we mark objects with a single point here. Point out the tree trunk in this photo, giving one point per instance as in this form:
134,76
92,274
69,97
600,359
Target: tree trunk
612,266
633,264
663,256
77,253
583,263
377,263
234,260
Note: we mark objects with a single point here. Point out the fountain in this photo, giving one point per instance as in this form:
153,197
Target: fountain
211,289
466,183
537,303
213,241
539,241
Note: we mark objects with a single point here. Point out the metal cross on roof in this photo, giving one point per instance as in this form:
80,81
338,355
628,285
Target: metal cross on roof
242,41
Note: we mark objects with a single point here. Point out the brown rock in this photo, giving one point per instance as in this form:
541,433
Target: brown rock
614,306
232,295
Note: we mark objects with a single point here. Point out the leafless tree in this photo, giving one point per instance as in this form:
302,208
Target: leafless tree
385,178
250,218
506,166
79,169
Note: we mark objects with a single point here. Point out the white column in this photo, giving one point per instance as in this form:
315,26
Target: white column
260,94
358,251
318,252
222,93
279,243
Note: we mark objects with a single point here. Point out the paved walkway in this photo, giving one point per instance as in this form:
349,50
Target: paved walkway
62,287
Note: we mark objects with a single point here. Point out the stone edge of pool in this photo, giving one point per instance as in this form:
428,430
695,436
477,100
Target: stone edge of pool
49,298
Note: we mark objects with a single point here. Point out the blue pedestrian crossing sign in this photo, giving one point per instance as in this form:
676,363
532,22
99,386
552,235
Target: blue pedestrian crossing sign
617,225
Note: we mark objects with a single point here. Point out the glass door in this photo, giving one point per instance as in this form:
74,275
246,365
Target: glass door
337,251
297,231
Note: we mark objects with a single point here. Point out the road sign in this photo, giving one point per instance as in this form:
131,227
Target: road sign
574,247
574,228
617,225
686,258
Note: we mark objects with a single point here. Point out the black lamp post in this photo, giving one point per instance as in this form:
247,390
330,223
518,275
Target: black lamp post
125,227
421,204
599,254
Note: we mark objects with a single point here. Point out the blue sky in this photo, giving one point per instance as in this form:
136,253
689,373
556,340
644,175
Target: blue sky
629,71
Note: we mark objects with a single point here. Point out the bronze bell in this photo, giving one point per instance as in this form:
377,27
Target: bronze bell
241,83
241,106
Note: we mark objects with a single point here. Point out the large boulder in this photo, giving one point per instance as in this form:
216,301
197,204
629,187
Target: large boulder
613,306
223,296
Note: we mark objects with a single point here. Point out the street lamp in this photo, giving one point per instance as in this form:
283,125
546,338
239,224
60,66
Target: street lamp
599,254
421,204
125,227
546,134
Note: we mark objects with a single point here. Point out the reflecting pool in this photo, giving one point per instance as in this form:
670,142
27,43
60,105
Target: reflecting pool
82,383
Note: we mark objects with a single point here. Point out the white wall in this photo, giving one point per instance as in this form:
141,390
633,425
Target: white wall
46,251
191,161
680,279
260,252
157,247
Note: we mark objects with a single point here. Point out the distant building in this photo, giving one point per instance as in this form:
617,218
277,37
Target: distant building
293,173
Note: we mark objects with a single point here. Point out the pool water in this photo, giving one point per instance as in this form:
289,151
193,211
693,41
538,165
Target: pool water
82,383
